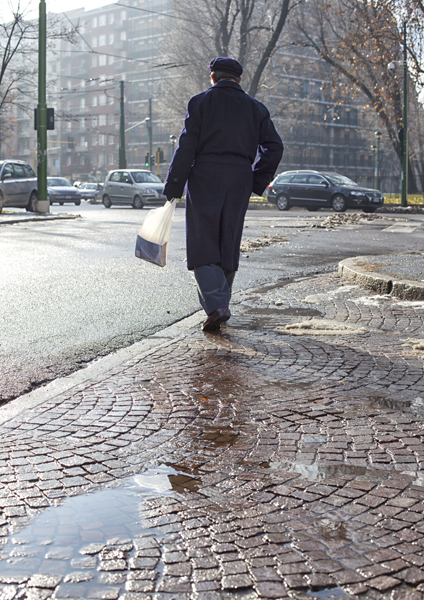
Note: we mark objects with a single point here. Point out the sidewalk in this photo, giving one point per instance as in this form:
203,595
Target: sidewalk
278,458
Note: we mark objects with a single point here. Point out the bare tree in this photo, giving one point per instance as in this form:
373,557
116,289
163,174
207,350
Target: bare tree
248,30
358,40
18,52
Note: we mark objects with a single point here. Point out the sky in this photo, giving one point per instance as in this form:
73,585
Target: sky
31,6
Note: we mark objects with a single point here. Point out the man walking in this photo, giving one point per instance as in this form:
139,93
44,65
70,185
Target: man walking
225,133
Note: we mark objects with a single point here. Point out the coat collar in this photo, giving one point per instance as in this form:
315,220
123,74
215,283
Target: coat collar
227,83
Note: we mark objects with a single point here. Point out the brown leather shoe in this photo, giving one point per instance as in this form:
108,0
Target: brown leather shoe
214,320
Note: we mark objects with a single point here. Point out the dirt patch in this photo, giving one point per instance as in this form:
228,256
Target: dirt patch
262,242
320,327
333,221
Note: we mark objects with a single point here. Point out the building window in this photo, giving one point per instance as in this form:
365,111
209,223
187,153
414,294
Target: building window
94,61
111,139
111,60
102,20
94,121
69,161
123,35
94,42
111,19
102,120
102,100
82,160
82,103
102,60
102,139
110,119
94,101
111,38
82,141
111,159
123,15
95,22
102,40
94,139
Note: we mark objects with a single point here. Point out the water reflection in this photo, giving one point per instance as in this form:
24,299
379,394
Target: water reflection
73,535
317,472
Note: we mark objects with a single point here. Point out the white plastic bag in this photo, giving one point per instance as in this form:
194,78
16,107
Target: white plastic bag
153,237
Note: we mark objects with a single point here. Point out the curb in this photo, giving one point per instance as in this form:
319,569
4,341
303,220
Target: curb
98,369
4,220
357,272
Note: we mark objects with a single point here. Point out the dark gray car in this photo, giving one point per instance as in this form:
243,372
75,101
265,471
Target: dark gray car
133,187
315,190
18,185
60,190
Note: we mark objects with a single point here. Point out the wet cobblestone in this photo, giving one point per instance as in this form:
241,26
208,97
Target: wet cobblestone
253,463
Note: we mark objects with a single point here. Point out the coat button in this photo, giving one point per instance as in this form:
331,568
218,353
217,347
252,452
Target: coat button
175,179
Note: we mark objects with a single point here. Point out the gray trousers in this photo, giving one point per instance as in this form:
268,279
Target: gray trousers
213,286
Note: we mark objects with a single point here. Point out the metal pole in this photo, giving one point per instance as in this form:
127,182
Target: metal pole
404,199
378,162
122,157
150,135
42,204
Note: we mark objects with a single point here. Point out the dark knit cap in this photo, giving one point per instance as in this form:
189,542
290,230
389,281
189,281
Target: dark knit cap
227,65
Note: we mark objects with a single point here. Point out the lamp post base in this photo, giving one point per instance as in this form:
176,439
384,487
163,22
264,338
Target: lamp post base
42,206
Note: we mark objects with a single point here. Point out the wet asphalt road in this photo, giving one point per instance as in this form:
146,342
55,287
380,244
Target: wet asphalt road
72,291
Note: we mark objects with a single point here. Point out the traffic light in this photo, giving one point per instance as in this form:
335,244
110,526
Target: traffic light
159,156
152,160
146,159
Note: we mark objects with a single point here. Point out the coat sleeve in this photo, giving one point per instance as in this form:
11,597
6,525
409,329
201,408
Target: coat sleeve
183,158
270,152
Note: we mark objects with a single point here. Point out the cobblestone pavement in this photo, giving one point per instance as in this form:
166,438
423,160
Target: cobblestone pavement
279,458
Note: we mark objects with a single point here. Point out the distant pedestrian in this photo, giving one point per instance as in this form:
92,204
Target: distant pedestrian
225,133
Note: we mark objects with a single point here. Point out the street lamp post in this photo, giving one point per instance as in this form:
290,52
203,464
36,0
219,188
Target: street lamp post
42,204
377,182
173,139
404,136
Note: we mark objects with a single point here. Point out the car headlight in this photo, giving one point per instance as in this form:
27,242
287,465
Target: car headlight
149,191
52,191
356,193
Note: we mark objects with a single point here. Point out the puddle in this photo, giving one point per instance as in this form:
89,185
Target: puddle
278,285
317,472
269,317
55,540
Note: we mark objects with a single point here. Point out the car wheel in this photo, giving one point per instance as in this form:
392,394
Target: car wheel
312,208
31,203
370,209
61,203
339,203
77,202
1,203
138,202
283,202
106,201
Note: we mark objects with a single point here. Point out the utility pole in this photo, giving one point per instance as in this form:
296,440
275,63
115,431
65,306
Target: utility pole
42,204
150,134
122,158
404,197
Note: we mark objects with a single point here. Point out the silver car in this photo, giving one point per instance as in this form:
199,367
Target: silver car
133,187
18,185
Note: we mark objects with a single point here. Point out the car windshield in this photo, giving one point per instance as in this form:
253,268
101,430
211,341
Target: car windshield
145,177
58,182
339,179
89,186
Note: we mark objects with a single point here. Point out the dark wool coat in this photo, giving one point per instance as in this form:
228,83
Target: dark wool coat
225,131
